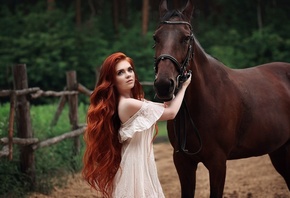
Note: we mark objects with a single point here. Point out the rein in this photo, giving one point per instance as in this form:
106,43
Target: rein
182,140
183,75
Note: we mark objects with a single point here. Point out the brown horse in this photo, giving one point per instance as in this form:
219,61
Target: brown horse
227,114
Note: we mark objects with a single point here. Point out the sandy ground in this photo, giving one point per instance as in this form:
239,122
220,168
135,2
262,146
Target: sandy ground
246,178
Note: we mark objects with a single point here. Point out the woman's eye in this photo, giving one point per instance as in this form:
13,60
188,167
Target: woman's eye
130,69
120,72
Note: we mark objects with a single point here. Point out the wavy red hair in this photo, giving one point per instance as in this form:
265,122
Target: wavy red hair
103,150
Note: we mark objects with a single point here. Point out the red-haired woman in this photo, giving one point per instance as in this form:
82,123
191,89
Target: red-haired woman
119,159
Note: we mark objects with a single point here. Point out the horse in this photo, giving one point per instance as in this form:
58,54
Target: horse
227,113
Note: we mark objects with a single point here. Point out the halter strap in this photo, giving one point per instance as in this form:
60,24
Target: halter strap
167,56
177,23
180,68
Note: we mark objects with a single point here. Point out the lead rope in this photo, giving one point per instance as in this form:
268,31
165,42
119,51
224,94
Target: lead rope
182,144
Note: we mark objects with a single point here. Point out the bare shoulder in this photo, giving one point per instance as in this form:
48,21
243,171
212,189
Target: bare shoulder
128,107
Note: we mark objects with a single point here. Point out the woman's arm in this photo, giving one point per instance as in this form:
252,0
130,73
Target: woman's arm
129,106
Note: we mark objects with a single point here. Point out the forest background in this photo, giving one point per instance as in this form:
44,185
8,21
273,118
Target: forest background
52,37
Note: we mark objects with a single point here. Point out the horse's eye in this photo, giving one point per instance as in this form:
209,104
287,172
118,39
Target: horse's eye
156,38
187,39
155,41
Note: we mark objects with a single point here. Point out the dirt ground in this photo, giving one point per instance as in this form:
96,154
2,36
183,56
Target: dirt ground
246,178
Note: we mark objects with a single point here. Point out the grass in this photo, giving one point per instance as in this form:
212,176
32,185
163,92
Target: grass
162,131
51,162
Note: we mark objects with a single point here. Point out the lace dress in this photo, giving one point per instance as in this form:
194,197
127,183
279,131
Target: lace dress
137,176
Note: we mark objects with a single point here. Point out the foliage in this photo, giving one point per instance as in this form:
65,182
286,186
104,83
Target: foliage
50,43
50,162
14,184
138,50
239,51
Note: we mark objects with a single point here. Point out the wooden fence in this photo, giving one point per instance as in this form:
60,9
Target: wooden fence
20,113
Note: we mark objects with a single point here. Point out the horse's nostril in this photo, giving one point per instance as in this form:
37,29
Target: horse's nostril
164,87
171,83
163,83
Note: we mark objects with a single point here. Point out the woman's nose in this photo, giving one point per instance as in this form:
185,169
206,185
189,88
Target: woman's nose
128,74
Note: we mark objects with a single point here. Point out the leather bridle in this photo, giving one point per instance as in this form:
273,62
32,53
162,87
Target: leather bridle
181,68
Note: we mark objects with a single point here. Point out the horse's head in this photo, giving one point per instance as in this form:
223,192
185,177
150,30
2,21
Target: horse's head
173,49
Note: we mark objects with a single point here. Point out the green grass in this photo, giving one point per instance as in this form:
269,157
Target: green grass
162,131
51,162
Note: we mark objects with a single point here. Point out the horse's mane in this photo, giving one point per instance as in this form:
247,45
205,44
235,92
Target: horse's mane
173,13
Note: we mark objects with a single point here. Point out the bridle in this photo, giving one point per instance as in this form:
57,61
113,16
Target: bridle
181,68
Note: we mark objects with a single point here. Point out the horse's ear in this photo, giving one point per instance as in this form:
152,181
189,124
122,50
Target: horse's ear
163,8
188,10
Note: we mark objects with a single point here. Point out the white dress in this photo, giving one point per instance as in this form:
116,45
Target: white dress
137,176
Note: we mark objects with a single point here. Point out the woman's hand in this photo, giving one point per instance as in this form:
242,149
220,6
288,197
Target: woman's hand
187,82
172,107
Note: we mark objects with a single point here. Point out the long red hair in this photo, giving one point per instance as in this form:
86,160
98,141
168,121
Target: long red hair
103,150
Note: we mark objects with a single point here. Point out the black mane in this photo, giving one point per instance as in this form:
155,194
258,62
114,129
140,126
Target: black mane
171,14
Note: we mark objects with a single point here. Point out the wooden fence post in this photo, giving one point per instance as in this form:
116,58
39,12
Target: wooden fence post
72,85
11,124
23,122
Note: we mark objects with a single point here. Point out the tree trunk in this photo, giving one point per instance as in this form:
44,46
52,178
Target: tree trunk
259,15
145,16
115,14
50,4
78,13
123,12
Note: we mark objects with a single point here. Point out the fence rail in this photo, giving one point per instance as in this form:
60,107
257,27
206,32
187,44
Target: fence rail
20,113
35,143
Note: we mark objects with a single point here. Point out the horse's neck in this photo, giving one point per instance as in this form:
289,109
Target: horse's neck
200,56
207,69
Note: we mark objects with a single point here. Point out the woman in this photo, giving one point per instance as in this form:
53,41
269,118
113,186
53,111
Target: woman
119,159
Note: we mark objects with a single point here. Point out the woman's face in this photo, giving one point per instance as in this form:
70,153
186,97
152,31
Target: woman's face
125,77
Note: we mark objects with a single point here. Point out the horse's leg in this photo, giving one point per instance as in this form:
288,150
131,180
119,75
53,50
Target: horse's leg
281,161
186,170
217,175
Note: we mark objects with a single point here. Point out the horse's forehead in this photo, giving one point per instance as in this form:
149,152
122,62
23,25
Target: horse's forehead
172,30
169,31
176,19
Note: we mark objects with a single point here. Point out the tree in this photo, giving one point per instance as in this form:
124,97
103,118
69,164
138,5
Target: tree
78,13
145,16
50,4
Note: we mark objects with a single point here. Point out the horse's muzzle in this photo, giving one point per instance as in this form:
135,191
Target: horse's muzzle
164,89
